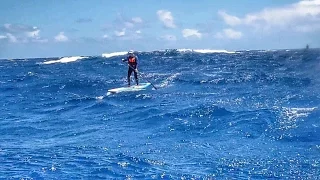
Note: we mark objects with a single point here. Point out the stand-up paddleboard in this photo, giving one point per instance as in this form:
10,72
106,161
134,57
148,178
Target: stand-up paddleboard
141,86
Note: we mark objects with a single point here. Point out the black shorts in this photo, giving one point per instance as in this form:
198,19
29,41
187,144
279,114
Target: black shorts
130,71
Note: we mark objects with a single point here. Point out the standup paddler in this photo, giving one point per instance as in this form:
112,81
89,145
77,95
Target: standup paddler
132,60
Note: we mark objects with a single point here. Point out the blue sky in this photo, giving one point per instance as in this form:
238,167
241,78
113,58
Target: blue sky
51,28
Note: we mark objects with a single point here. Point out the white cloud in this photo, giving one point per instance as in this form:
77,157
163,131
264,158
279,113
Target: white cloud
7,26
228,19
122,21
310,2
166,17
132,22
61,37
229,34
130,37
12,38
186,33
105,36
33,34
138,32
19,33
120,33
3,37
137,20
128,24
303,15
18,28
168,38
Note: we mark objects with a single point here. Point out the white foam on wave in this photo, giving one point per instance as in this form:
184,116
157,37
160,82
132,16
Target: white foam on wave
185,50
168,80
65,60
100,97
121,53
205,50
290,116
108,55
293,113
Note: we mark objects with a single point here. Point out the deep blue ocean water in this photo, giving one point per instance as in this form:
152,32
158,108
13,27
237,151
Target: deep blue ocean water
243,115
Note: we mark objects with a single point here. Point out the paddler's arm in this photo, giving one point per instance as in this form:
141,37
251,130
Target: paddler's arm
136,64
125,60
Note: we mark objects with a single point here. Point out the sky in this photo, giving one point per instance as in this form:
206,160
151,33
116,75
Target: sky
56,28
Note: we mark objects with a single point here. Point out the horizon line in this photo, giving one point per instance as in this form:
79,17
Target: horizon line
163,50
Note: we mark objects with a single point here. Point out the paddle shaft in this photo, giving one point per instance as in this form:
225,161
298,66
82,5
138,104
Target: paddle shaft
142,77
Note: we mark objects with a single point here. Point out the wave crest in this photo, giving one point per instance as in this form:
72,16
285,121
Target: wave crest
169,52
65,60
113,54
205,51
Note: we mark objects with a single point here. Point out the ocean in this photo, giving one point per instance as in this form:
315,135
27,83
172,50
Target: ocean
214,115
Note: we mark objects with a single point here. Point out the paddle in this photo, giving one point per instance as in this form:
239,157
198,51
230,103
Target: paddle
143,77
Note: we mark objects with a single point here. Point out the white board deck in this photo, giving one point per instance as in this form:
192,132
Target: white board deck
141,86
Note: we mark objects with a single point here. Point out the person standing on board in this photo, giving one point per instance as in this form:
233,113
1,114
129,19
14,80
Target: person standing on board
132,60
